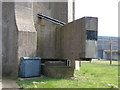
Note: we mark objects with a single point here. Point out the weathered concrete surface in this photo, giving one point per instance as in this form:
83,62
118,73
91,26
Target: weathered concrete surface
46,31
70,38
19,37
58,71
27,35
19,33
9,40
59,10
91,49
91,23
91,45
73,41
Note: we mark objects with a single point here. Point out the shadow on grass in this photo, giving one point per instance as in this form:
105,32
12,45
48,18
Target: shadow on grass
43,79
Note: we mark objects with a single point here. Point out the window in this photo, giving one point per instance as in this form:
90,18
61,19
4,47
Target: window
91,35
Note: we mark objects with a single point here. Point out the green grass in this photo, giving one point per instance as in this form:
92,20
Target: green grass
98,74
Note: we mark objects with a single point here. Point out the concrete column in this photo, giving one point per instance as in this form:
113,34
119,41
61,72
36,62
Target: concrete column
27,35
0,39
77,65
9,40
19,37
70,10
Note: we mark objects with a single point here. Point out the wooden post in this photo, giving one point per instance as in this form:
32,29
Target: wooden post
103,54
110,51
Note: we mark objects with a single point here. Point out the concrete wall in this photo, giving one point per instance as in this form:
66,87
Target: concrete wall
9,40
58,71
91,24
70,40
24,34
73,41
91,49
59,10
46,37
45,31
19,37
27,35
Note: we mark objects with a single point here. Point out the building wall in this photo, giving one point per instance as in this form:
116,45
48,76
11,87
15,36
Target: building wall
107,55
73,41
27,35
45,31
19,37
9,40
46,37
104,44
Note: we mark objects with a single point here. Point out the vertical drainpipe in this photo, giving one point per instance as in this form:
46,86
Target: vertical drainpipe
73,10
73,17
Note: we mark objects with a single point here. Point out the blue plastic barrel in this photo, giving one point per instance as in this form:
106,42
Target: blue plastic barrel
30,66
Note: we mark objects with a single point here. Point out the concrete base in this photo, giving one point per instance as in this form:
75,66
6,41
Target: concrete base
77,65
58,71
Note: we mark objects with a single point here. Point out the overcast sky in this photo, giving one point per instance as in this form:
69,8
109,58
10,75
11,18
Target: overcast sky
105,10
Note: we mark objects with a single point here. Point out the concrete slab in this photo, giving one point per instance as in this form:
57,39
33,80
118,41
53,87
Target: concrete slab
7,83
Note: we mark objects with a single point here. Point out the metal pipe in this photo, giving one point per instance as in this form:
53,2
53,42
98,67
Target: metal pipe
50,19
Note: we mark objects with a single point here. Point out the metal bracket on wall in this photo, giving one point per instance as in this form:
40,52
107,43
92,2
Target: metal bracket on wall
51,19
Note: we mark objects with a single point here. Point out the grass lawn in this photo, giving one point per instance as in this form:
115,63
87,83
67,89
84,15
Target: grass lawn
98,74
